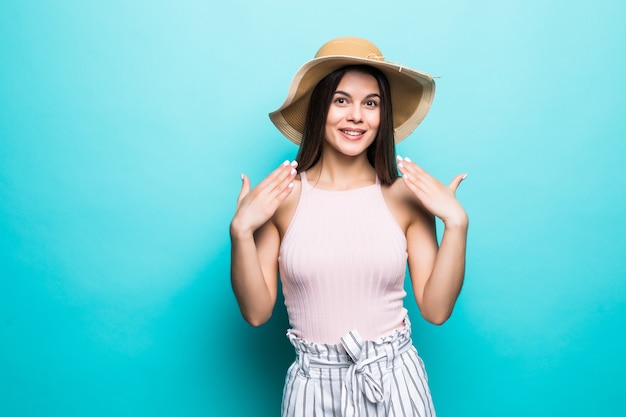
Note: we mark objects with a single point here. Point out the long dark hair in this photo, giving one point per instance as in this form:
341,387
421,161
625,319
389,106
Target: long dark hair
381,153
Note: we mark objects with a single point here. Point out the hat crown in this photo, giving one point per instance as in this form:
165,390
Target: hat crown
350,47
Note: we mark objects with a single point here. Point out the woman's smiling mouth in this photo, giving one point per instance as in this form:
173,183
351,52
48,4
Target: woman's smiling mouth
353,133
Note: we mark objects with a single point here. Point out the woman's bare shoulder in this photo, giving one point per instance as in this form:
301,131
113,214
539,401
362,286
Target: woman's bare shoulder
404,205
284,213
398,193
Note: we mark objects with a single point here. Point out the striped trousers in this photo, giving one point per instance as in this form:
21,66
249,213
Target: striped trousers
357,378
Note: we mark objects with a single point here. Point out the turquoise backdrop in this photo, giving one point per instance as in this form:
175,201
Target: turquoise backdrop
125,125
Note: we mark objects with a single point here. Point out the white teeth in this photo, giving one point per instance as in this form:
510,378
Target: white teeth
352,133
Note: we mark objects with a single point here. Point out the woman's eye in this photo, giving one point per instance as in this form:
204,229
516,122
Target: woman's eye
371,103
340,100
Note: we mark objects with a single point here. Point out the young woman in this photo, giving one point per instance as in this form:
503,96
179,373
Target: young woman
340,226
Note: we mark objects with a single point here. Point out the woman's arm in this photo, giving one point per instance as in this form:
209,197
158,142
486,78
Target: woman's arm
437,271
255,243
253,272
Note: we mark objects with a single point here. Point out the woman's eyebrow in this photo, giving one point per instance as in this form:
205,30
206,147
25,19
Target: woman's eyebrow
350,96
343,93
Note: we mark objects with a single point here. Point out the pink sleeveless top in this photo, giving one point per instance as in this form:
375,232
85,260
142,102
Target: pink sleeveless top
342,265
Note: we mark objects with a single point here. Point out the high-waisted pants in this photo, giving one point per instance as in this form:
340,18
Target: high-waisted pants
357,378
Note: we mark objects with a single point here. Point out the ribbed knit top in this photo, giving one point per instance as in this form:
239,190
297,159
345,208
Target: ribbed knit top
342,265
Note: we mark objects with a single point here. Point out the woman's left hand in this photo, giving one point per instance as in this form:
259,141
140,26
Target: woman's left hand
437,198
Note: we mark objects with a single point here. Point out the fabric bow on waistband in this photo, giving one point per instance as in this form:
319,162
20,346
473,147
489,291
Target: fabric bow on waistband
358,378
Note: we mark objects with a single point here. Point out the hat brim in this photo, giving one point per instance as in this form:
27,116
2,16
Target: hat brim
412,94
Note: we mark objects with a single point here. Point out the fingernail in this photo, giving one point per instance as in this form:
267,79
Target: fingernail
242,176
407,159
294,163
400,165
399,158
405,176
285,163
293,171
290,185
464,176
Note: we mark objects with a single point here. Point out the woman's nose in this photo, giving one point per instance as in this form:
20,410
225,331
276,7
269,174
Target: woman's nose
355,114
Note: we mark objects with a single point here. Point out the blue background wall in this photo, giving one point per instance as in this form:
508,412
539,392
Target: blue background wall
124,127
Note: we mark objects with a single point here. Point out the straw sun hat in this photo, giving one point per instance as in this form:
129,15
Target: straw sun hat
412,91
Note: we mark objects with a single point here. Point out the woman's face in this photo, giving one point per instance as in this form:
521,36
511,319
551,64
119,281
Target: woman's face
354,114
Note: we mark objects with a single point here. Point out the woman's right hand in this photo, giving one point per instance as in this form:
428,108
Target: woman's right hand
257,206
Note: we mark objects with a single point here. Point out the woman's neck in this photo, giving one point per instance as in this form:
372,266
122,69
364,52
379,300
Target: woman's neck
342,173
